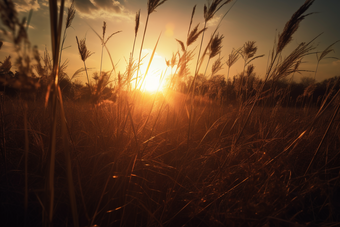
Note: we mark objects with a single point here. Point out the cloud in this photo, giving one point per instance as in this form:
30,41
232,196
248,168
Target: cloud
101,8
26,5
85,6
109,5
214,21
337,62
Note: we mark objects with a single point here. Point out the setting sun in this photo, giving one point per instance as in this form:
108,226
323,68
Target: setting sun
169,113
152,83
155,76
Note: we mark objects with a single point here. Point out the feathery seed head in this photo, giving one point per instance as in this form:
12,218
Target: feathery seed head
216,45
249,50
173,61
327,51
8,14
6,66
70,15
291,63
153,4
137,19
292,25
250,69
191,19
217,66
233,57
194,34
182,44
104,29
212,7
167,62
83,51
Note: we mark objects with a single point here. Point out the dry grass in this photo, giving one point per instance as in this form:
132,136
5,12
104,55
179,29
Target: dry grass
163,159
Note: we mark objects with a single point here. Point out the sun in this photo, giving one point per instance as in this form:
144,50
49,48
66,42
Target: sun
152,83
154,79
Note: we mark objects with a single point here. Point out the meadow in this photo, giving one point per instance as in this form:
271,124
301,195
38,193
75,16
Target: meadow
219,151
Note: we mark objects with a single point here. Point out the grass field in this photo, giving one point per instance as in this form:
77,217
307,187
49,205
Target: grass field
219,153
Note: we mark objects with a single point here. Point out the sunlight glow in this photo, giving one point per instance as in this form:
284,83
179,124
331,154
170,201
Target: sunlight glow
153,80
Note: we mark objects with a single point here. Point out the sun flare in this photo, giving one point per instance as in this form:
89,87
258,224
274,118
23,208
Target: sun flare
152,83
155,79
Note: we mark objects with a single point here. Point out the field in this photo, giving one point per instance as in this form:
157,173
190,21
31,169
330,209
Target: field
214,152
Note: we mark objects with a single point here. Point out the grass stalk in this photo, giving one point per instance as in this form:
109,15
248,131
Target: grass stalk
68,161
294,58
26,159
56,27
324,136
141,49
3,135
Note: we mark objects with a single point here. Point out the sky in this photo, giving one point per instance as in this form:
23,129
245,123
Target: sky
248,20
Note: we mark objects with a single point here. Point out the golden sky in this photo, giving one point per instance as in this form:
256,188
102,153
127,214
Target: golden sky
248,20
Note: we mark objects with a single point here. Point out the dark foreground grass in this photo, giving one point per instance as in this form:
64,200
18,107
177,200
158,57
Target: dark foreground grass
260,181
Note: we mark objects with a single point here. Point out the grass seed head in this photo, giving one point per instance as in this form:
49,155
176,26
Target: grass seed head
137,19
291,63
70,15
194,34
233,57
83,51
104,29
216,45
192,18
326,51
249,50
292,25
6,66
217,66
182,44
153,4
250,69
8,14
212,7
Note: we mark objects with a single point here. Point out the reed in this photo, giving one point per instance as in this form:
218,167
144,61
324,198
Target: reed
323,55
84,55
163,159
289,64
152,5
215,49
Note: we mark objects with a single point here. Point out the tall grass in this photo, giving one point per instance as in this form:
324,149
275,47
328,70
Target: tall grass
162,159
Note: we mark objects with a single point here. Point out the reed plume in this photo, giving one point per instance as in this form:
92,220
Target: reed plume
191,19
71,12
103,43
70,16
137,22
247,53
216,45
323,55
194,34
84,54
153,4
292,25
291,62
215,49
212,7
217,66
232,59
